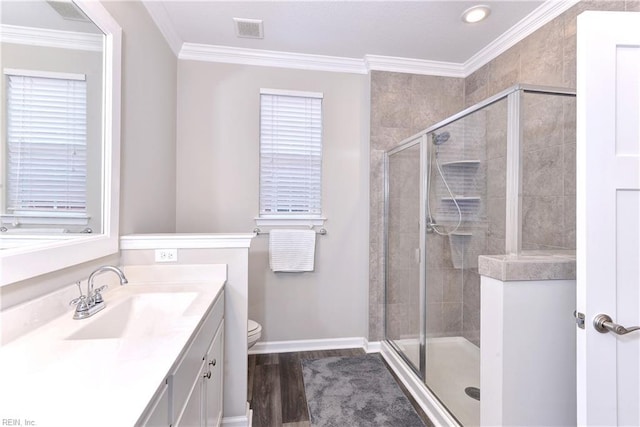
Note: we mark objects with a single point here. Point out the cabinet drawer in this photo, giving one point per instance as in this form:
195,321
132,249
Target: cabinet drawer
188,370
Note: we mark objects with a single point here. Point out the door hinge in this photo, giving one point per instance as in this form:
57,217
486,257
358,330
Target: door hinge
579,319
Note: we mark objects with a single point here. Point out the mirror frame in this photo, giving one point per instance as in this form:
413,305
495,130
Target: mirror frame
22,263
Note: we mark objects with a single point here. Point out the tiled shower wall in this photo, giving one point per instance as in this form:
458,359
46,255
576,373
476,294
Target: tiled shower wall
401,105
449,257
403,269
404,104
548,172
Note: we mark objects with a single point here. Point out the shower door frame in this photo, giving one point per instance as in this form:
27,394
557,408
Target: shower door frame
420,140
513,194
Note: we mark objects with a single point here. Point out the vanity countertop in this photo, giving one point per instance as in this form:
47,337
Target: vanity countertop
59,375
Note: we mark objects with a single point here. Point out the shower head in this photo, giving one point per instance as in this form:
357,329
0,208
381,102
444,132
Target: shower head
440,138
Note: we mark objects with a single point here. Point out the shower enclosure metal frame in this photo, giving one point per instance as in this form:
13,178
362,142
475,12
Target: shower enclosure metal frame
513,227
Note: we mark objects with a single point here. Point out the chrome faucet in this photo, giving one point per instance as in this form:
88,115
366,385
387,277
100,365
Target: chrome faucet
90,304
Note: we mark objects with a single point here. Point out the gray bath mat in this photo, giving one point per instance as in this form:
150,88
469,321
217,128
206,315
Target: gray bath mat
355,391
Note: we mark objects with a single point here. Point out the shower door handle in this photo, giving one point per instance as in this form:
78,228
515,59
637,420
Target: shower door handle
604,324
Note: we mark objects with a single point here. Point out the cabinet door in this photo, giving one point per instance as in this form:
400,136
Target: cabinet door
214,385
192,416
159,414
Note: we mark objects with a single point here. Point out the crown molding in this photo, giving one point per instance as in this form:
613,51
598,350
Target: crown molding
413,66
161,18
269,58
225,54
51,38
542,15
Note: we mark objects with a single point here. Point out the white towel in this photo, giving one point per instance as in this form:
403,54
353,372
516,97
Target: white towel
292,250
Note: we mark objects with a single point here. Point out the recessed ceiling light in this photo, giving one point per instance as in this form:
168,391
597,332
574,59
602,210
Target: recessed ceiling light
476,14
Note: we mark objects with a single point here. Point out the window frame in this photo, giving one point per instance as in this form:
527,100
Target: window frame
310,219
45,216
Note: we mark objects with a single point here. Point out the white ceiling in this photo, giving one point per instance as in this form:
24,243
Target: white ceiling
39,14
424,30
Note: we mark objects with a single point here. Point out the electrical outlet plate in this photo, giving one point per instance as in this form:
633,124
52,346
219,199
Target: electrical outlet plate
166,255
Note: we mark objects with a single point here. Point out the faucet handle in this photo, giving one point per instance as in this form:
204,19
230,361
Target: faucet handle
77,300
97,295
81,303
79,287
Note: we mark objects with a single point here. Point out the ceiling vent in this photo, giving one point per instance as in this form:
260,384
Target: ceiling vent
68,10
249,28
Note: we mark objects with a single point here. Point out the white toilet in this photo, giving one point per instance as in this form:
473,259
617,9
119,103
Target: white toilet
254,330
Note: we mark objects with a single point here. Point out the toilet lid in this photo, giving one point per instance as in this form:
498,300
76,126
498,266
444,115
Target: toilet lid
253,327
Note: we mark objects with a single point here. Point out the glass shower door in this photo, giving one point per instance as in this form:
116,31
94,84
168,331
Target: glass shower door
403,290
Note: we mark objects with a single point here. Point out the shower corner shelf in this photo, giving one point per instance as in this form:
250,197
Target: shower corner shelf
462,163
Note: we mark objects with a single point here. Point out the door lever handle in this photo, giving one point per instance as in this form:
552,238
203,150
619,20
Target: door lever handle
604,324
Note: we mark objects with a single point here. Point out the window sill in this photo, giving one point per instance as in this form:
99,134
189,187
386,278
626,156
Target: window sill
282,220
42,218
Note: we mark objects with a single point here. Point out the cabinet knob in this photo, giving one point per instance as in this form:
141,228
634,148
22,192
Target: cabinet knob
213,362
207,375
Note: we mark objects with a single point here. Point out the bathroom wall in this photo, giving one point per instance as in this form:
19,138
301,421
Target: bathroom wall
148,168
147,194
218,184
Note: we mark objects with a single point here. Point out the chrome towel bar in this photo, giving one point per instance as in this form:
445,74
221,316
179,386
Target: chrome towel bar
257,231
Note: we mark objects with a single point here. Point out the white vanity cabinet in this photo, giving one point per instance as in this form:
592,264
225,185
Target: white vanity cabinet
193,392
213,381
204,405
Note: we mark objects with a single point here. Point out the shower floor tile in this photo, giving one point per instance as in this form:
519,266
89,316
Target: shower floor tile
453,364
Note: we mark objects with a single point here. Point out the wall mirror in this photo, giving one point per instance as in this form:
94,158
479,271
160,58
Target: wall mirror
60,135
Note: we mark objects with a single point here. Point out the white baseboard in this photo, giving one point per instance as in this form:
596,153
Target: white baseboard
372,347
315,345
427,401
240,421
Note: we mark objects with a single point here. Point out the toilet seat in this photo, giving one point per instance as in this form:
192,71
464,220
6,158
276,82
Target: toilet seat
254,331
253,328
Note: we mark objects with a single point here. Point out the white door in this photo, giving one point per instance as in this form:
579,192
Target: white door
608,214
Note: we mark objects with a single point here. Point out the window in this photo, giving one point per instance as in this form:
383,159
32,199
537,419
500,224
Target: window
290,154
46,135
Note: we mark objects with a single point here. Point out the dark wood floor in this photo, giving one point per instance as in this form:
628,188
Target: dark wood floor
276,389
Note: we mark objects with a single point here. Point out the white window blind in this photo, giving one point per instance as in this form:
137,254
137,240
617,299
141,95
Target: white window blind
46,144
290,154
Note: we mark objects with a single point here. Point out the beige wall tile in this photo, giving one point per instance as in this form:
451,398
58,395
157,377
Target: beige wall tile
452,318
569,169
435,290
543,116
632,5
541,60
504,71
542,172
476,86
496,177
452,285
542,221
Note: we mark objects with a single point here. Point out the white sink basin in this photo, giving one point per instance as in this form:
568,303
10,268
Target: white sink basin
137,315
